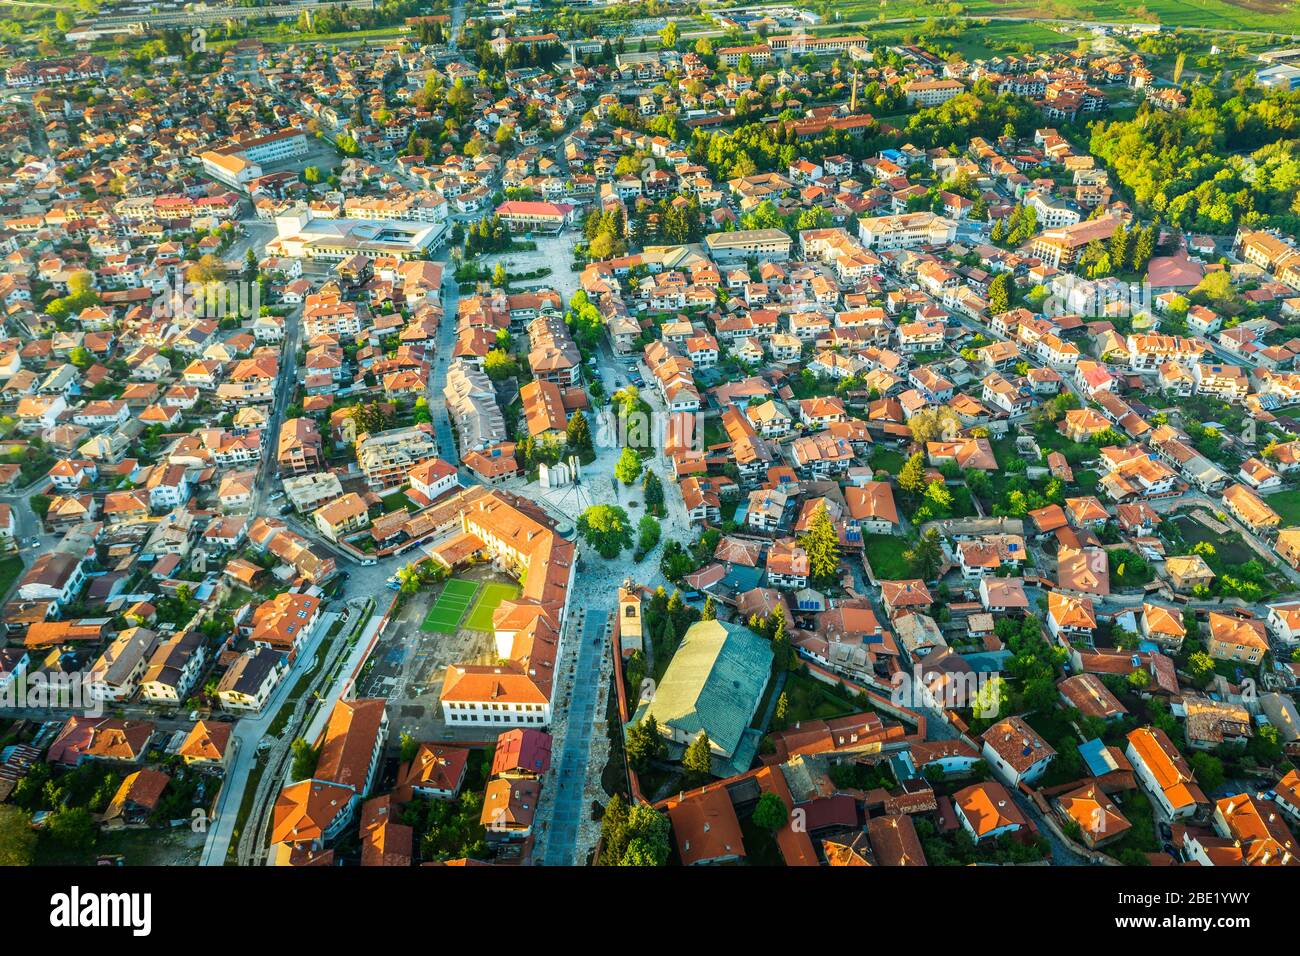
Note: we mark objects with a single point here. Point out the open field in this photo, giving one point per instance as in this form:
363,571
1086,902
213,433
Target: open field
1287,504
1214,14
445,615
489,597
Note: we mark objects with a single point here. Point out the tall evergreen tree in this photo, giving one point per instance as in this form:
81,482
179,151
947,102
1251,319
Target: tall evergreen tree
927,555
822,544
1000,293
578,438
653,489
696,761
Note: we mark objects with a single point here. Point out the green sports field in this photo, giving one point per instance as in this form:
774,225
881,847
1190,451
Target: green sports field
491,595
445,615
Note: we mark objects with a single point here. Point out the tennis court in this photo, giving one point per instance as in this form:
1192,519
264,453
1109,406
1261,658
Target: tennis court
455,599
491,595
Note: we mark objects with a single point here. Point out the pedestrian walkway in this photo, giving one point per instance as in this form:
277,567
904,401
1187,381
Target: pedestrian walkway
569,774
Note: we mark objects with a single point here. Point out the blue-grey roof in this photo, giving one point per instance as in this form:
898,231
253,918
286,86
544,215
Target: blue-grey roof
714,683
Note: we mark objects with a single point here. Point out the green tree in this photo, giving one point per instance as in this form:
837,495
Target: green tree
305,757
770,812
17,838
926,556
607,529
369,417
653,490
697,760
647,837
821,543
628,469
577,438
911,477
72,828
1200,667
410,747
1000,293
644,743
648,532
710,610
499,364
784,657
782,708
613,831
1208,770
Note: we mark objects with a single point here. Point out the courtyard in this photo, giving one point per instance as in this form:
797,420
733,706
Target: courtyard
450,623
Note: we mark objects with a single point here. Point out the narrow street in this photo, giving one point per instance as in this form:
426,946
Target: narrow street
564,805
249,732
445,343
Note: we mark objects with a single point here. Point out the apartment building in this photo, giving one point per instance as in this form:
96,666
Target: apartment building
300,448
387,457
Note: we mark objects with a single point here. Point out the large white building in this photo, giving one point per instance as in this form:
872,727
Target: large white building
301,235
906,231
241,161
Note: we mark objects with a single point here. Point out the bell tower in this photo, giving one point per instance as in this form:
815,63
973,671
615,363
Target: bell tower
629,618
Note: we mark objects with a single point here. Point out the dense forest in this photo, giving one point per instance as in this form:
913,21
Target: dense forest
768,147
1225,160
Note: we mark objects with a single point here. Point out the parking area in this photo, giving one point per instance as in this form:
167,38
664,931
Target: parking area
552,252
320,154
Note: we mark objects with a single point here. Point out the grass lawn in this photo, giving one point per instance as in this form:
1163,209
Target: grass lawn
1004,450
11,569
885,552
397,501
1050,440
714,433
156,846
491,595
1229,549
445,614
1287,504
1086,480
888,460
810,699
